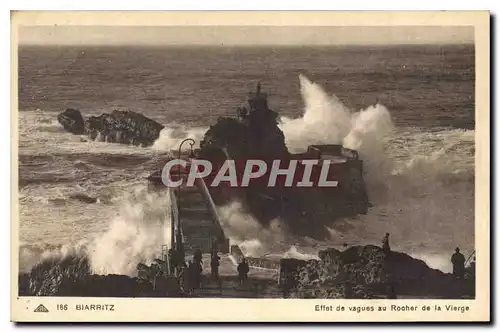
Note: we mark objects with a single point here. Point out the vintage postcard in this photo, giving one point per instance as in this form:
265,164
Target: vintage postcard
250,166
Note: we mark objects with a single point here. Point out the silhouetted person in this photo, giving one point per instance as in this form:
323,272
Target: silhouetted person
214,266
197,256
243,269
385,244
175,263
197,260
458,261
189,276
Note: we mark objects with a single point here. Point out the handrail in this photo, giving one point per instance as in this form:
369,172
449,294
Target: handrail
175,215
208,197
200,183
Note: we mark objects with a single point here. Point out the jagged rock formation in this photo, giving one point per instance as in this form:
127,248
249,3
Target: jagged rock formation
369,272
72,276
124,127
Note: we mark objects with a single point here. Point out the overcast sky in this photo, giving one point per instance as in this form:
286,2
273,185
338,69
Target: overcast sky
243,35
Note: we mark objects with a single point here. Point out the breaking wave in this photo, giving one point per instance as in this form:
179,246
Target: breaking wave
135,235
420,182
172,135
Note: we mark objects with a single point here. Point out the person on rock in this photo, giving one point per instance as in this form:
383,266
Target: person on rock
458,261
385,244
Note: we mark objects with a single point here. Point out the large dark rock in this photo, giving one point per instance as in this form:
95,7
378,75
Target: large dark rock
124,127
71,276
369,272
72,121
256,135
56,277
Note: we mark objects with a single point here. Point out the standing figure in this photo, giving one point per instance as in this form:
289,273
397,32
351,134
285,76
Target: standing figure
385,244
243,269
197,260
458,261
197,255
214,266
188,278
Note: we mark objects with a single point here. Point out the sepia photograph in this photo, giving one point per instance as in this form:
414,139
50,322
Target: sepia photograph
248,161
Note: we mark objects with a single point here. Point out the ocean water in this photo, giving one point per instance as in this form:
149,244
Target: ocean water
409,110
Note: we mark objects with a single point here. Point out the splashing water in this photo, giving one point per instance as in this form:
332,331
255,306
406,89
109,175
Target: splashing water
172,136
420,182
135,236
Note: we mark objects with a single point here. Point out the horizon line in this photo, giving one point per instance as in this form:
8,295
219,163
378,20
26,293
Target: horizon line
248,45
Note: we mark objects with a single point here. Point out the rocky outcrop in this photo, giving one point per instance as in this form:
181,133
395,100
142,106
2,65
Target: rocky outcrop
369,272
246,138
72,121
71,276
254,133
54,277
124,127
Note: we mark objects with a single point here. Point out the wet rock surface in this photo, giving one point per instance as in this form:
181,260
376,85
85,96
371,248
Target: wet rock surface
369,272
72,121
125,127
71,276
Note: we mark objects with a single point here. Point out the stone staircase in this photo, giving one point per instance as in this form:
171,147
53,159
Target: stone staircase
199,219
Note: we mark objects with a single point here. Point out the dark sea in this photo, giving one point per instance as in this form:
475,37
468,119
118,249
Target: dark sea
408,110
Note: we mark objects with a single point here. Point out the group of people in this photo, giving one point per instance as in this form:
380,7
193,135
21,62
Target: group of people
192,273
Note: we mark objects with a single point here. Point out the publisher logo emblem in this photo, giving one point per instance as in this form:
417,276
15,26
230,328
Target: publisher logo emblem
41,308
